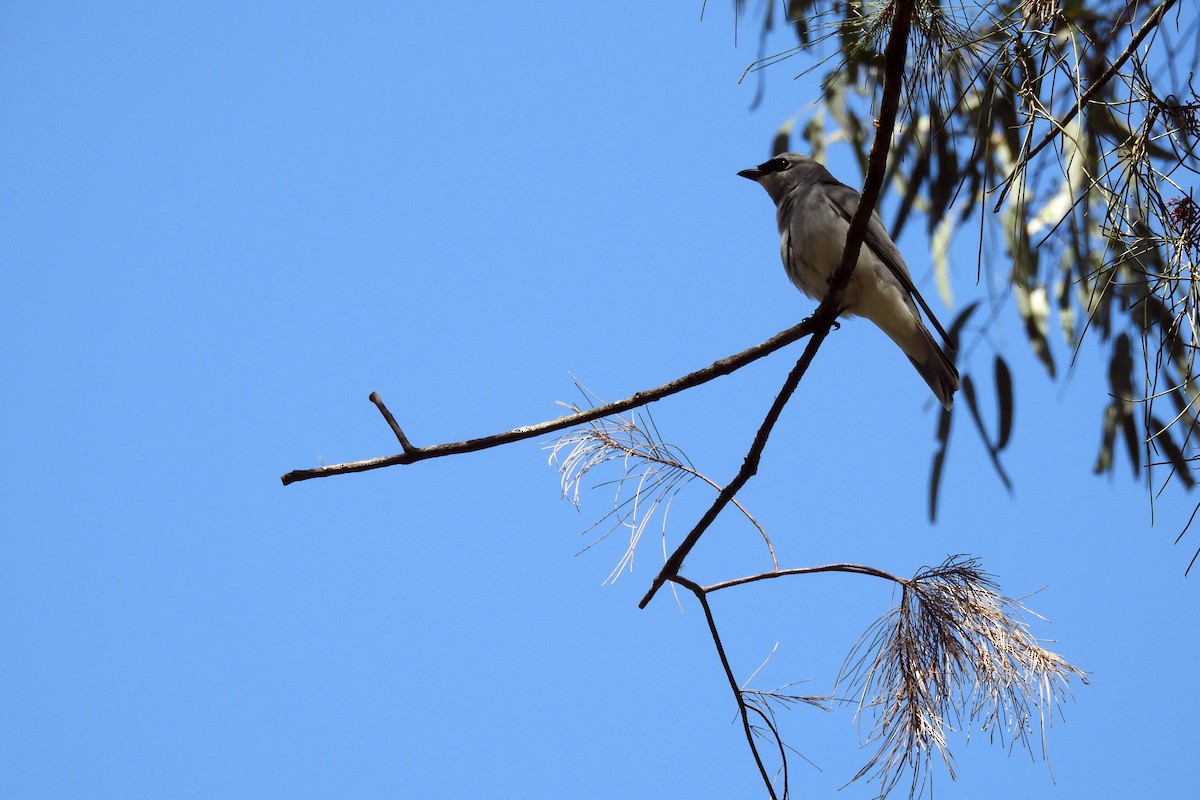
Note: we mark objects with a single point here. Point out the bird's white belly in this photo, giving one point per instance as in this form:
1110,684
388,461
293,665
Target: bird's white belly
810,262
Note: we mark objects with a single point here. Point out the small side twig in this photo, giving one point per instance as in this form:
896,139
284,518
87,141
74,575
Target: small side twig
391,421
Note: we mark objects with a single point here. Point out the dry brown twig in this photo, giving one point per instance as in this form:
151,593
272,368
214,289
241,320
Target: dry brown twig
410,454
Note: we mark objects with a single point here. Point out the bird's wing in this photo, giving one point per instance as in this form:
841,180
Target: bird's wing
845,201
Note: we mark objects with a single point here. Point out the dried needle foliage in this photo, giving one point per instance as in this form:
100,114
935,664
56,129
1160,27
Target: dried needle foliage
651,472
954,654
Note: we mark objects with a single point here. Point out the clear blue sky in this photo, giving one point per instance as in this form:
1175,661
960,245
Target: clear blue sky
225,224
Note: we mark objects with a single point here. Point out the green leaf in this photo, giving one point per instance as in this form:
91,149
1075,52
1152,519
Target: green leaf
1102,120
1156,318
1004,400
799,19
944,181
1034,308
1060,205
1108,436
954,332
968,390
1183,405
1120,384
1179,464
1097,288
909,180
1003,110
851,126
783,137
940,250
939,461
1120,370
1066,314
1133,442
814,134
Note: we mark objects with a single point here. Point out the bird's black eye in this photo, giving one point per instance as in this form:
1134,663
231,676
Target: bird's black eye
776,165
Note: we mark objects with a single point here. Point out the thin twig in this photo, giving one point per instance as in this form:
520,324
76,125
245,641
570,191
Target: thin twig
412,454
698,590
405,445
856,569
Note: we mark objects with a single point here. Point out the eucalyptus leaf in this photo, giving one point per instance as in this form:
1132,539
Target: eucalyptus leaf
939,462
783,137
1004,401
940,251
1034,309
1108,437
1162,440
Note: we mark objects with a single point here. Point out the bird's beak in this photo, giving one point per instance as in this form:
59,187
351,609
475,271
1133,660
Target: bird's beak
752,174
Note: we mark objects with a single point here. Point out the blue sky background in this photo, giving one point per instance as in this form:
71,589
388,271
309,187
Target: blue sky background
225,225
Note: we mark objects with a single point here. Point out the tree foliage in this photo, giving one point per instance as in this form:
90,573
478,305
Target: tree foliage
1065,132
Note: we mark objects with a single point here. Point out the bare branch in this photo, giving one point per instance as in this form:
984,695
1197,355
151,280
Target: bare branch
411,454
855,569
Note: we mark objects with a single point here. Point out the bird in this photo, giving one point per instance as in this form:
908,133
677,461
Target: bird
813,211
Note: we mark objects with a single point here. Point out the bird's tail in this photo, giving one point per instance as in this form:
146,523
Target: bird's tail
937,369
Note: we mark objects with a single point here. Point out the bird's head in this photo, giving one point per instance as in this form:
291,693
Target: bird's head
785,172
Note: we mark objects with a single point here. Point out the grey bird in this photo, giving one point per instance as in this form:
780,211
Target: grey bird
813,210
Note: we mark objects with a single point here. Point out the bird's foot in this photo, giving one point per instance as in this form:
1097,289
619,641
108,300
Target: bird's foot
837,326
